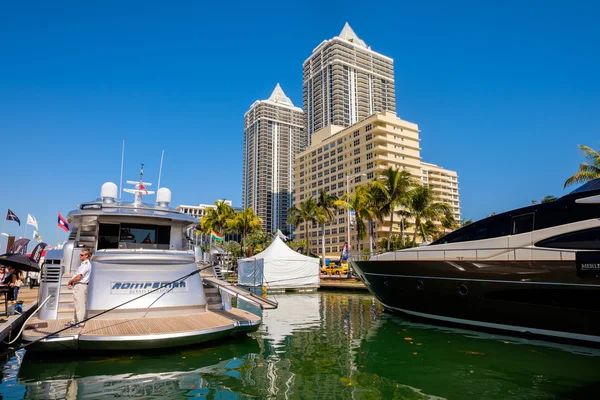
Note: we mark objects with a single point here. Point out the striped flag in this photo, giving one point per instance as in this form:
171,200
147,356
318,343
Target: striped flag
62,223
216,236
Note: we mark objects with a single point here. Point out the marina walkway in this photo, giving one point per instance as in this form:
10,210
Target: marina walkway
263,303
9,324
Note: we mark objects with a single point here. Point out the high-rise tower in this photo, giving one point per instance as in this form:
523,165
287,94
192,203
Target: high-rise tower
273,135
345,81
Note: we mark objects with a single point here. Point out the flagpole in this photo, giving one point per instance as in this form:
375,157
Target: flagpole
57,229
1,236
25,234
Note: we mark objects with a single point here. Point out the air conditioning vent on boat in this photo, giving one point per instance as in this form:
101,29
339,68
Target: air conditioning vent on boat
51,273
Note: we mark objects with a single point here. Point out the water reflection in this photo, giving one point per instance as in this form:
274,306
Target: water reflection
322,346
156,374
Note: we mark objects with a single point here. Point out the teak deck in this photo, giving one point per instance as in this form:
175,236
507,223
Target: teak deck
142,326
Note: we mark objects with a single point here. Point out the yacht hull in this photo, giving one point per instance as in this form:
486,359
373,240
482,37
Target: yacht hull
140,333
544,298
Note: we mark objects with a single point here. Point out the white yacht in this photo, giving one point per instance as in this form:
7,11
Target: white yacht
146,271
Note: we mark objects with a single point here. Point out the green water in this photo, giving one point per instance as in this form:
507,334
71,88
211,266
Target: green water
322,346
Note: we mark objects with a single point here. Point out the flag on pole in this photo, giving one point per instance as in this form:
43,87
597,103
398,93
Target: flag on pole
62,223
142,187
217,236
37,236
352,218
11,216
32,221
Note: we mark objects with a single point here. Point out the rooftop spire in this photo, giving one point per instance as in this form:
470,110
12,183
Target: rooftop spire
279,97
349,35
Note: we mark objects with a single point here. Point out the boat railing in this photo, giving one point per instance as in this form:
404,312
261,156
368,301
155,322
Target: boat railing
474,254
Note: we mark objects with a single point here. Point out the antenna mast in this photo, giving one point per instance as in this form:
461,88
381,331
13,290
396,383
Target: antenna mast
140,187
160,170
121,181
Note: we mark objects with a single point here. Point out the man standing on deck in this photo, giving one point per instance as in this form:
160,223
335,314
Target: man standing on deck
79,284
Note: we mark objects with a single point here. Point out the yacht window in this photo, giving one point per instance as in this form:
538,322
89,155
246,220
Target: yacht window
108,236
485,229
522,224
134,236
588,239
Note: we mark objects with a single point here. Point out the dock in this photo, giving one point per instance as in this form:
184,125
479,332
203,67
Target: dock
9,324
342,284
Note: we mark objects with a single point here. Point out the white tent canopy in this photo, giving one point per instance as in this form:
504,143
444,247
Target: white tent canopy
278,266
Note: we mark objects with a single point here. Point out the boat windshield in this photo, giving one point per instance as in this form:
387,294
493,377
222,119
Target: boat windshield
133,236
591,185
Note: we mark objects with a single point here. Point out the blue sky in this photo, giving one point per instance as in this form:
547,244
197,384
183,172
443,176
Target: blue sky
502,93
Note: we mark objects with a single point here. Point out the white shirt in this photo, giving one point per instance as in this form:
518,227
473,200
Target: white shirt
84,269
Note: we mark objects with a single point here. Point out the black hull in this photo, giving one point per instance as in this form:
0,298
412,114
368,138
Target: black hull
544,298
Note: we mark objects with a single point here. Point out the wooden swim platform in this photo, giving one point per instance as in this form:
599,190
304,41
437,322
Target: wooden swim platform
141,332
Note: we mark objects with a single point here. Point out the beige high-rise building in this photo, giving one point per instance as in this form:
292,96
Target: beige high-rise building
345,81
444,184
273,135
339,159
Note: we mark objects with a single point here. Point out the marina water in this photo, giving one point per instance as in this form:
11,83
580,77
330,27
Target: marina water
321,346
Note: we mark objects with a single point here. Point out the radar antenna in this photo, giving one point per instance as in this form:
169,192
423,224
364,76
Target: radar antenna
140,188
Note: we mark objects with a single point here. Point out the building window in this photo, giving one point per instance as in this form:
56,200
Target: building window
357,170
356,133
357,160
369,175
368,127
356,152
369,146
369,136
356,142
369,156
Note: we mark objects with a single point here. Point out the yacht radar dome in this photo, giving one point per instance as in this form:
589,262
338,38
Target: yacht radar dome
109,192
163,197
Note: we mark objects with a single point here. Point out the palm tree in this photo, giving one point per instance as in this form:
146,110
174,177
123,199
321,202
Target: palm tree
465,222
391,192
429,230
588,170
361,203
217,218
245,222
423,205
548,199
306,212
448,222
326,210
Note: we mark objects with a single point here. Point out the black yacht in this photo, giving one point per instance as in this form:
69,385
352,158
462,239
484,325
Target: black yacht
533,270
